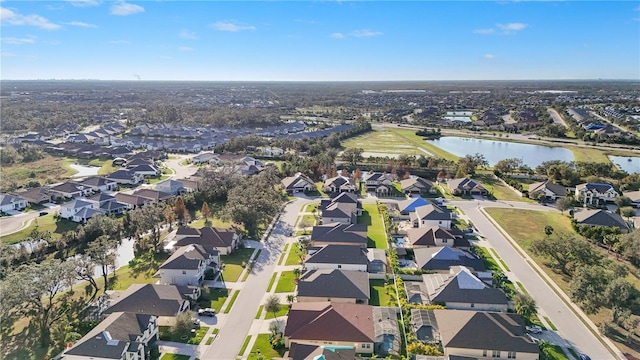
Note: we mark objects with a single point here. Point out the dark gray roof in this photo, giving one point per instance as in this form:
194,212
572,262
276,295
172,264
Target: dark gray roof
96,181
556,189
68,187
441,258
340,233
432,212
186,257
334,283
483,330
159,300
339,254
465,184
426,236
462,287
597,187
600,218
100,345
417,182
338,210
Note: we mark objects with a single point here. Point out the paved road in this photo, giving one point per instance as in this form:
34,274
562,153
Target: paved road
556,117
238,322
11,224
181,171
571,328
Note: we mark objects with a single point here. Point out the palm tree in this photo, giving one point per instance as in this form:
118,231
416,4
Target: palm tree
525,305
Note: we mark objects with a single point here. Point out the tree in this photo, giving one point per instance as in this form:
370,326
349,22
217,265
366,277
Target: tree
290,299
170,216
272,305
83,268
37,290
627,212
622,201
102,253
180,210
525,305
357,175
564,203
587,287
352,155
206,212
548,230
617,296
630,246
507,166
565,250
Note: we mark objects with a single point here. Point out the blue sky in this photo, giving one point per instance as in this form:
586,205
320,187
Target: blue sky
320,40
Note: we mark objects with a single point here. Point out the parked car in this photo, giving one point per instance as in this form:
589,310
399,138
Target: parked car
534,329
207,312
584,357
196,322
43,213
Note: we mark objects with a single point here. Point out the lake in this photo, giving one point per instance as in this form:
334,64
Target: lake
627,163
458,118
494,151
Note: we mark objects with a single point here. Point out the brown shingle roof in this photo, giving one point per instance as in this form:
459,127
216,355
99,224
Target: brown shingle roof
330,322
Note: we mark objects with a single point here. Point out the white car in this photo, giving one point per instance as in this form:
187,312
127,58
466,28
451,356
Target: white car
534,329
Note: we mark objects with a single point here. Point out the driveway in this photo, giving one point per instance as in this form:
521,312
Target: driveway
571,330
237,323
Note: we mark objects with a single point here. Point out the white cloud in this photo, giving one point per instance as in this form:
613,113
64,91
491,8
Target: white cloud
186,34
636,19
337,35
81,24
18,41
484,31
365,33
489,56
84,3
13,18
6,54
122,8
122,42
231,26
512,26
185,48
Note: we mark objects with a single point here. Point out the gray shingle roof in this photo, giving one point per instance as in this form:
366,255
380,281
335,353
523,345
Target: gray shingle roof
355,234
159,300
600,218
441,258
334,283
462,287
339,254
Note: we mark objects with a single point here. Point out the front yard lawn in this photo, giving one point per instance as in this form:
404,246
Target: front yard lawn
286,282
284,310
213,298
524,226
233,264
376,234
293,258
167,335
169,356
263,345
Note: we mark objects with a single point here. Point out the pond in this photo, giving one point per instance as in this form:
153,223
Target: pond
464,113
627,163
83,170
494,151
458,118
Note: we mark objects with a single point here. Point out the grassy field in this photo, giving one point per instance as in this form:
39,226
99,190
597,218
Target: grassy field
498,189
284,310
263,346
378,295
215,222
286,282
233,264
375,228
588,154
293,258
394,142
44,223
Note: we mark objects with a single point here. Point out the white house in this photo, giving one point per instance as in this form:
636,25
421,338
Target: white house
68,210
431,215
12,203
98,183
187,266
592,193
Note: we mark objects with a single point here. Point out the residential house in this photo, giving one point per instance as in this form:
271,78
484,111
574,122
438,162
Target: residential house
466,186
98,183
121,336
379,183
298,183
107,204
406,207
378,262
37,195
436,236
169,186
331,324
341,208
126,177
431,215
476,334
595,193
73,207
339,184
144,170
417,186
316,352
164,301
205,158
341,234
187,265
634,196
462,290
333,285
192,184
442,258
153,195
601,218
271,151
12,203
132,201
547,190
69,190
224,241
334,256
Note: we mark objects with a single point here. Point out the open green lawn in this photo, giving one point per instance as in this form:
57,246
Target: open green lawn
310,207
585,154
284,310
169,356
489,262
215,222
233,264
293,258
286,282
525,226
376,234
498,189
167,335
157,179
43,223
378,295
263,346
213,298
